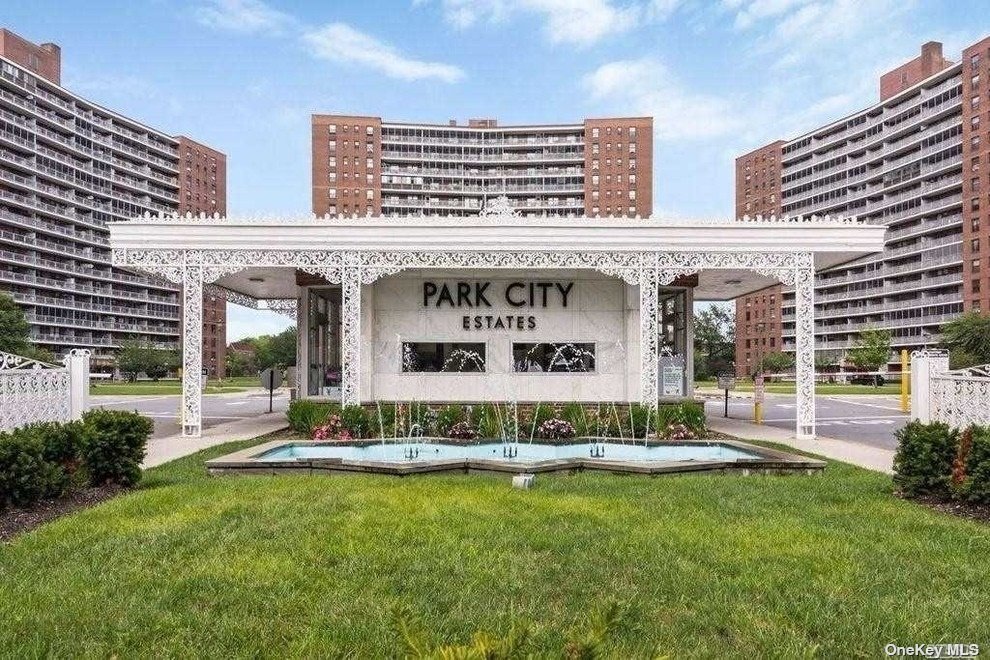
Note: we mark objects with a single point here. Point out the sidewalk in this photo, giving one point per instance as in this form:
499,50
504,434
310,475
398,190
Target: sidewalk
162,450
871,458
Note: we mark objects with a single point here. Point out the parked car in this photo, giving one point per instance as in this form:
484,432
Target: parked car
867,379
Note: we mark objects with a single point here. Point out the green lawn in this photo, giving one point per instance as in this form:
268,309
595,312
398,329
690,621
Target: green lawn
312,566
161,387
820,388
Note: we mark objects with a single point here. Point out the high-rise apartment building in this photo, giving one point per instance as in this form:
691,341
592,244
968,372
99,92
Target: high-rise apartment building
364,165
917,162
67,168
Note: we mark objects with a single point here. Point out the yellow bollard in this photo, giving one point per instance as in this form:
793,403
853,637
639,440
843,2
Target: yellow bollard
757,412
905,400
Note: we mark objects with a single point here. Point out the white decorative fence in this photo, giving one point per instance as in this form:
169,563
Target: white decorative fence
958,397
33,391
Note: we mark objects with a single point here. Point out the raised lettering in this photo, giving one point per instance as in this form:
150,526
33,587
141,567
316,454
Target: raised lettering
508,294
429,290
564,291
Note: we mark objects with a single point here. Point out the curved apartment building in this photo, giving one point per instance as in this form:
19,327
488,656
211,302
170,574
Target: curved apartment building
68,167
913,162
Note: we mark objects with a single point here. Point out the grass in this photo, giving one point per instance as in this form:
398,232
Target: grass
820,388
142,387
313,566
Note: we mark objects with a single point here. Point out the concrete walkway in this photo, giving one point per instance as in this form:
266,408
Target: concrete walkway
163,450
865,456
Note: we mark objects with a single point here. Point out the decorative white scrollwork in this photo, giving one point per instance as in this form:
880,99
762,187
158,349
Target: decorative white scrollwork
649,335
192,355
287,307
32,391
649,269
960,397
804,293
499,207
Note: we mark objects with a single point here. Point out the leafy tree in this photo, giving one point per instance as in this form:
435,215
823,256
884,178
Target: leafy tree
776,363
14,328
872,350
240,363
275,350
714,341
136,357
968,340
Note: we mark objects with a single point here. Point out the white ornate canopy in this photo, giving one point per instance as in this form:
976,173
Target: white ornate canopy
730,259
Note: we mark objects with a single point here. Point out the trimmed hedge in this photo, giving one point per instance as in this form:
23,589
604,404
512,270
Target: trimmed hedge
923,462
975,486
116,445
46,459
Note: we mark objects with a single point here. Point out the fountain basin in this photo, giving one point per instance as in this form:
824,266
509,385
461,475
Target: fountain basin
311,457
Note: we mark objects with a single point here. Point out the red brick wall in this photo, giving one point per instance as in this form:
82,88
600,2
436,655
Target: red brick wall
44,59
975,177
203,188
758,330
911,73
615,160
342,188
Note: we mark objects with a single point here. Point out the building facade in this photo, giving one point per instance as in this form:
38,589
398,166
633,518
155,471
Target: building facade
916,162
68,167
368,166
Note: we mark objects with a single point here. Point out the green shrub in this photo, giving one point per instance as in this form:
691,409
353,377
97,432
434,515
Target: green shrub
531,421
923,462
383,420
976,485
577,416
64,443
304,414
447,417
491,421
25,475
641,420
356,420
115,447
687,414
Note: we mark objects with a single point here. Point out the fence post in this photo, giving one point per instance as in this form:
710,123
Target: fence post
924,365
77,362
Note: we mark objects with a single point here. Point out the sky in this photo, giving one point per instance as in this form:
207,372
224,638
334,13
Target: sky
720,77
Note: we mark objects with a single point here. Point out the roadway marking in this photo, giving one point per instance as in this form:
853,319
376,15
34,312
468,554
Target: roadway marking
859,403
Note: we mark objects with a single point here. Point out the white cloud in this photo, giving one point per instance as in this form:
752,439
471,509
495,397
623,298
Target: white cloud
646,87
580,22
341,43
335,42
243,16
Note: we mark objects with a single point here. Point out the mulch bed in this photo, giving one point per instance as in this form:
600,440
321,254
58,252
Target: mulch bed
968,510
19,520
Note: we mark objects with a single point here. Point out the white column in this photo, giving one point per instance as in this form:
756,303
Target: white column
804,297
77,361
649,335
192,350
924,365
350,335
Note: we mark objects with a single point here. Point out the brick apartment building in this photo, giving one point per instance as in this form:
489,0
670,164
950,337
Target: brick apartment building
69,166
917,162
364,165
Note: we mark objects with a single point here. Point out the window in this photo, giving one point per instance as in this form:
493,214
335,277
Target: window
436,357
594,132
553,357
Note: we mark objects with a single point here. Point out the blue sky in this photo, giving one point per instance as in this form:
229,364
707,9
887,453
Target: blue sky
720,77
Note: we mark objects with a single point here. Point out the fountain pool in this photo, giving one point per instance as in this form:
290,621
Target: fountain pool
402,456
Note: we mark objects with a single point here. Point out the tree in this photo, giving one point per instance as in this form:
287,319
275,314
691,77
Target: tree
968,340
240,363
714,341
14,328
136,357
275,350
776,363
872,351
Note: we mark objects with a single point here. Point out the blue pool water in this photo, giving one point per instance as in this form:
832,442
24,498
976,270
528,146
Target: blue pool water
496,451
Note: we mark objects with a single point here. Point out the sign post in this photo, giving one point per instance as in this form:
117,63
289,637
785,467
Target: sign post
904,381
726,382
270,379
758,399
